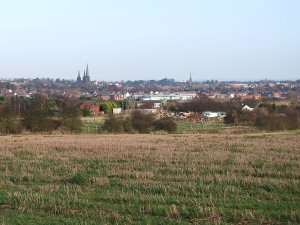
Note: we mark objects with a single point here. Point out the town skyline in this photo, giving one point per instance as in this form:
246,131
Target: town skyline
74,79
84,76
184,78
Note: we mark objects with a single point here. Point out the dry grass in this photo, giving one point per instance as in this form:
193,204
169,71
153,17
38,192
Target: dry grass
188,178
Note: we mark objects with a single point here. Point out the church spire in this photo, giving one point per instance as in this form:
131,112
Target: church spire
190,82
87,70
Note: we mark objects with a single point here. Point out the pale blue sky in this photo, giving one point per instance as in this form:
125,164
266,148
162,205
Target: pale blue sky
150,39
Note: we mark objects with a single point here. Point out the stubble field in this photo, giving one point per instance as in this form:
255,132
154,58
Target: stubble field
150,179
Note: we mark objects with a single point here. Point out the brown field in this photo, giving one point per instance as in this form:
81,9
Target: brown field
150,179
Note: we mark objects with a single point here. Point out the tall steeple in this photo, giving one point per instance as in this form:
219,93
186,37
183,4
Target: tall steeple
190,82
87,70
87,74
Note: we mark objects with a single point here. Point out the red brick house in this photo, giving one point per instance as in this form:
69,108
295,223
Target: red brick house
94,109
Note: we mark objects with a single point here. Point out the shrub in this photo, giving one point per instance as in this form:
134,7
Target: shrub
142,122
113,125
117,125
166,124
229,118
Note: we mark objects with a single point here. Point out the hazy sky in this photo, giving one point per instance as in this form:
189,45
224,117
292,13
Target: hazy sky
150,39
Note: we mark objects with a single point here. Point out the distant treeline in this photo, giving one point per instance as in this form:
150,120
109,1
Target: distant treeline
42,114
266,115
39,114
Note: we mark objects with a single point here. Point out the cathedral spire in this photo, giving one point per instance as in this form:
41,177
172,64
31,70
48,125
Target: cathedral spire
87,70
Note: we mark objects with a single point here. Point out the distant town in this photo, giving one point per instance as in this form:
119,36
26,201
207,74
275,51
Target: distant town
44,104
163,90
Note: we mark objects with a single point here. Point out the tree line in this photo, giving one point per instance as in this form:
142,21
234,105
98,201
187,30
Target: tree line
42,114
267,115
39,114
